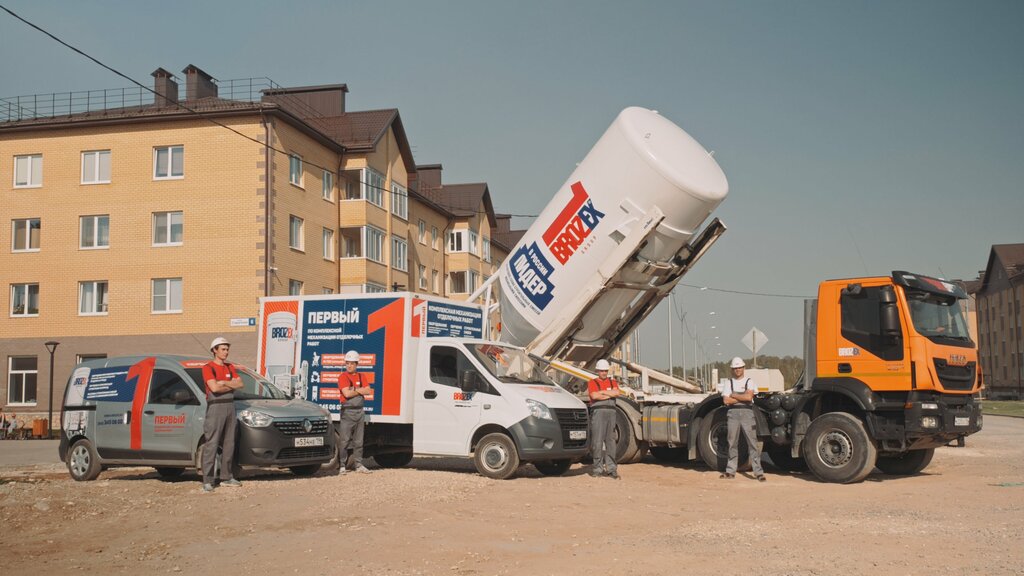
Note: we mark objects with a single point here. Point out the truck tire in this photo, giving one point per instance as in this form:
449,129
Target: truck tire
305,469
168,473
496,457
838,449
669,455
906,464
784,460
626,443
553,467
713,443
83,461
393,459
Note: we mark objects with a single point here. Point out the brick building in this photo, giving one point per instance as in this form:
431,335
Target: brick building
999,293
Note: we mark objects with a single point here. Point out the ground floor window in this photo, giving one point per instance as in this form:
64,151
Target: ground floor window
22,372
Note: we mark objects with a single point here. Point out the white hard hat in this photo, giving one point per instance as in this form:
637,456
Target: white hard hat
218,341
737,362
351,356
603,364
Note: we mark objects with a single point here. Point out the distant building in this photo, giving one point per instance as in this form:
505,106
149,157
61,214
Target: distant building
999,294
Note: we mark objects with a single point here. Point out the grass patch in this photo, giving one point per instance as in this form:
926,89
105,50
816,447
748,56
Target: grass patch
1003,408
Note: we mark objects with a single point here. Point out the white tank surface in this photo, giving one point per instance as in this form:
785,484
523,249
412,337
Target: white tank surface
641,165
282,336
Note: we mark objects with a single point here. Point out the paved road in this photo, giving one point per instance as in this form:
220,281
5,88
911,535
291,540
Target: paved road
18,453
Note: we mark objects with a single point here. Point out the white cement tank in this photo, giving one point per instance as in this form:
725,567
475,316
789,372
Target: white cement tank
643,163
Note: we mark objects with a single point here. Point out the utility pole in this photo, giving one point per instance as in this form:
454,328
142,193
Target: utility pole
670,335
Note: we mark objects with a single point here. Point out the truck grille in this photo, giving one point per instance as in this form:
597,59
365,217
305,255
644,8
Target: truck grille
572,419
296,427
955,377
303,453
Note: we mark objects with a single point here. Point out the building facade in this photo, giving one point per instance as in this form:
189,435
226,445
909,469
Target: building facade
999,294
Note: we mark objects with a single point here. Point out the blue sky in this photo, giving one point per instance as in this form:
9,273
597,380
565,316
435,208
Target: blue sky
858,137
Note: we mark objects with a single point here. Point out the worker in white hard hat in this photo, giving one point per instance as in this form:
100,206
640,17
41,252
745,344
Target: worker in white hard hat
355,389
738,395
221,379
603,391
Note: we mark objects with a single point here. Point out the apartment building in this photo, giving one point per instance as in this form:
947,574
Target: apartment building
999,293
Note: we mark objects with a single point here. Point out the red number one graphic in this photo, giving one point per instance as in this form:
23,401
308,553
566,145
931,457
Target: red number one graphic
390,319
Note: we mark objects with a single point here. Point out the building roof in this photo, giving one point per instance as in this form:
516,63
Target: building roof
1010,257
361,131
464,199
504,235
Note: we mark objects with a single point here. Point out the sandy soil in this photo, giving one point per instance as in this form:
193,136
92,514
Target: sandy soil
963,515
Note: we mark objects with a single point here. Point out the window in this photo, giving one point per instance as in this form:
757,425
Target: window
28,171
92,298
167,388
487,249
435,280
421,233
166,295
96,167
326,290
295,170
433,237
295,233
374,242
328,186
168,162
22,372
294,288
399,201
473,243
25,235
328,244
24,299
474,281
168,228
351,242
861,324
94,232
422,275
371,288
457,241
446,363
87,357
457,282
373,186
399,254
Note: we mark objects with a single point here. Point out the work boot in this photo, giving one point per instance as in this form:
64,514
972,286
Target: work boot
761,478
595,472
615,474
362,469
231,483
207,488
342,471
726,475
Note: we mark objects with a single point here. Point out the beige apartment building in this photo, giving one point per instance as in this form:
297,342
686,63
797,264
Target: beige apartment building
141,224
999,293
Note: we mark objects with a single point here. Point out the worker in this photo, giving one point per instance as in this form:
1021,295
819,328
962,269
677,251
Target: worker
738,395
350,423
221,378
603,391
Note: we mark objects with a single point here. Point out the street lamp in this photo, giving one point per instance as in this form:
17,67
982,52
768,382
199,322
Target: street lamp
52,347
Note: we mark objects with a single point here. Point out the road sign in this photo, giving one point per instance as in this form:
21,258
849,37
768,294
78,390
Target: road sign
755,339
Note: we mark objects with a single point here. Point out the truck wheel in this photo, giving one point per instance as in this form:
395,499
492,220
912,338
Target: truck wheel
553,467
668,455
838,449
626,443
910,462
784,460
393,459
83,462
305,469
496,456
713,443
168,473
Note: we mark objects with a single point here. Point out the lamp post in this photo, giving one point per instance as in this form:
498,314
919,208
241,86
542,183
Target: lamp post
52,347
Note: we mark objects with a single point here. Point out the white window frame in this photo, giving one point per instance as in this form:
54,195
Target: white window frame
95,232
168,284
434,237
99,306
399,254
474,242
457,241
27,297
435,281
400,201
328,244
32,161
451,281
421,273
295,178
421,232
169,227
373,288
372,185
295,287
328,186
95,157
293,237
326,290
473,281
11,373
486,249
28,234
378,243
170,162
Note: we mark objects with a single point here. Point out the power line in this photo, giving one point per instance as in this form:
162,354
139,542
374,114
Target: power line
746,293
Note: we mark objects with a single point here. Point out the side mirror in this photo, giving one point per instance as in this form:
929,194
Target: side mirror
889,315
469,381
181,396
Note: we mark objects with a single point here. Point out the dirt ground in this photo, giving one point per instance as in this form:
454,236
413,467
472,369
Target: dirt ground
963,515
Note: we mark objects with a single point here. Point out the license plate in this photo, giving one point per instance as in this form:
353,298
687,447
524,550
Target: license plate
962,421
313,441
577,434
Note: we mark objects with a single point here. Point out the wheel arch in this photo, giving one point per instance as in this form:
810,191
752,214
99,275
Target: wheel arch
491,428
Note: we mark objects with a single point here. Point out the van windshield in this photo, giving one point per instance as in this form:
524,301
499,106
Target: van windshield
510,365
937,317
254,386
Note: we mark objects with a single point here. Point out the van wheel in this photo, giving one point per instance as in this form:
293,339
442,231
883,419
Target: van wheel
83,462
838,449
305,470
496,456
713,442
553,467
907,463
393,459
169,473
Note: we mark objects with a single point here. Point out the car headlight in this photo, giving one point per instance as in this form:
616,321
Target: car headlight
930,422
254,418
539,409
929,406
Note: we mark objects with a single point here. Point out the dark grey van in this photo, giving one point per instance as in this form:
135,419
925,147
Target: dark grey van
149,411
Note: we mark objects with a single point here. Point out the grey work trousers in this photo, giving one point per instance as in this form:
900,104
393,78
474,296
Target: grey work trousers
350,436
738,419
602,439
219,430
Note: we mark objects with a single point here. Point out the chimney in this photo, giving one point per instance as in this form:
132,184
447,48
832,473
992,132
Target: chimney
198,84
428,177
166,89
310,101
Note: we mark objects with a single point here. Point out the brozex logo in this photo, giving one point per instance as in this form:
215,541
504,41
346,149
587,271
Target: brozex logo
573,225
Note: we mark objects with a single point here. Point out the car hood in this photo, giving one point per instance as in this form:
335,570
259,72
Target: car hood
552,396
289,408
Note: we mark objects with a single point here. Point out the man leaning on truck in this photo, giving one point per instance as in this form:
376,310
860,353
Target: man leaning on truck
738,396
602,391
221,380
350,422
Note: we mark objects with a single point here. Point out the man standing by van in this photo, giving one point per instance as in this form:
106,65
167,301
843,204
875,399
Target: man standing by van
350,422
738,396
602,391
221,380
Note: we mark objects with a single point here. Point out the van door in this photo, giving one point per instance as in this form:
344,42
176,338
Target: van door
445,415
116,392
169,424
